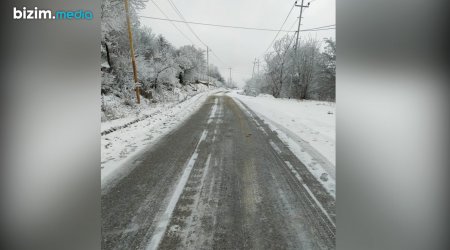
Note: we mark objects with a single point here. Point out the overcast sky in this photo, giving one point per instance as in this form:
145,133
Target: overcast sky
235,47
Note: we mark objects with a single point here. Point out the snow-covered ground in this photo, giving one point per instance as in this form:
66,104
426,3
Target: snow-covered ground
150,124
307,127
115,112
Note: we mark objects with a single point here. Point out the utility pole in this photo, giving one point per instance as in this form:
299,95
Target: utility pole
258,66
133,61
230,76
253,72
207,62
299,21
296,42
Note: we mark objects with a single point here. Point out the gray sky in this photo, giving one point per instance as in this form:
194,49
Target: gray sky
235,47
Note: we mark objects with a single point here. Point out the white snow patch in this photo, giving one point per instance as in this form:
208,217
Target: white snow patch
213,111
275,147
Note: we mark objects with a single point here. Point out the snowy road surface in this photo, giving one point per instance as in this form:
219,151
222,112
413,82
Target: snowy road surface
222,180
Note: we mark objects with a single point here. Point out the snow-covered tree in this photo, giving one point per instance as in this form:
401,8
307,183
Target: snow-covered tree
305,73
160,66
191,62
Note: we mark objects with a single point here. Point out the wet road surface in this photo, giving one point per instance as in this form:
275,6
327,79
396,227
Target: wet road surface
222,180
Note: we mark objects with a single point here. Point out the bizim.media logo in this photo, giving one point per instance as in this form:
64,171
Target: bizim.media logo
36,13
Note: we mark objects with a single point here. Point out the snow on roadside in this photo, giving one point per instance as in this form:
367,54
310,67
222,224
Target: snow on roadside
120,114
313,121
118,146
323,175
307,127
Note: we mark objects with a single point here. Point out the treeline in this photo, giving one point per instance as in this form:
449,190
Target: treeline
308,73
160,65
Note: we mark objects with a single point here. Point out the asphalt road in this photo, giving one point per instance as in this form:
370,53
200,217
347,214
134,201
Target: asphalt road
222,180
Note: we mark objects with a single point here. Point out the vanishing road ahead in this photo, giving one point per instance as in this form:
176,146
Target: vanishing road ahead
222,180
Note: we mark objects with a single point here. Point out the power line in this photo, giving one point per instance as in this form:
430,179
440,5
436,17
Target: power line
238,27
171,21
218,58
176,27
295,21
268,48
174,7
333,28
290,11
187,24
178,12
217,25
322,26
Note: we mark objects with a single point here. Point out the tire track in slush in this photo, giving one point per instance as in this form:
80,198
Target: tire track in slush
164,220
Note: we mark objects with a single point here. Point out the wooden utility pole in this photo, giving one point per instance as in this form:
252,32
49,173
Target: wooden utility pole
133,61
230,76
299,21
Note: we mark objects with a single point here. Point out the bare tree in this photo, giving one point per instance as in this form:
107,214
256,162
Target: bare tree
277,63
309,73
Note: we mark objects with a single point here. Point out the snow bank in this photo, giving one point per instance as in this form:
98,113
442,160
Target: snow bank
116,110
313,121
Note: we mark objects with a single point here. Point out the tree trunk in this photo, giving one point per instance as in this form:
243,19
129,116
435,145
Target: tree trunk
108,58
